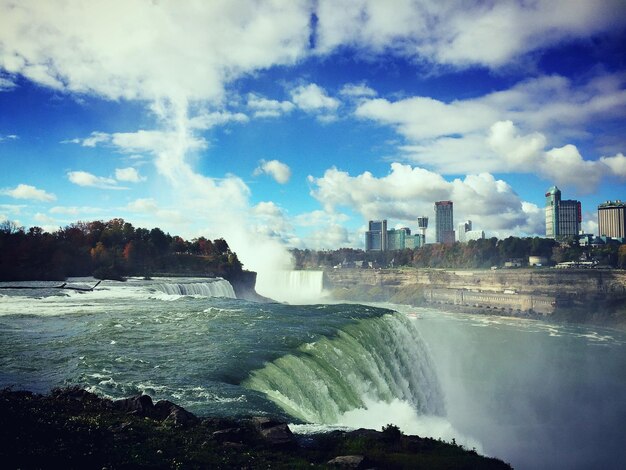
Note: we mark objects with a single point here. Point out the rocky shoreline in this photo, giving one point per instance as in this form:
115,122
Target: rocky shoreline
73,428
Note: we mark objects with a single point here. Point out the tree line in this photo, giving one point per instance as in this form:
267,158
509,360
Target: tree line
108,250
475,254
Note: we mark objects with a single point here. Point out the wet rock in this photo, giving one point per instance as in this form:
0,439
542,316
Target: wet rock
347,461
139,404
180,417
273,432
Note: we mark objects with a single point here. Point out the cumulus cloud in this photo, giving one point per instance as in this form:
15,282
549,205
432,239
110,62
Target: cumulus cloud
276,169
83,178
129,174
617,164
497,132
26,191
313,98
458,33
203,45
408,192
264,107
357,90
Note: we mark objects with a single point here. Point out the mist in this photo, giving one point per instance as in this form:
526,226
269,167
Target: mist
534,394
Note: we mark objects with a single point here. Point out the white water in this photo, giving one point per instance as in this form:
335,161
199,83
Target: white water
375,372
108,296
215,288
294,287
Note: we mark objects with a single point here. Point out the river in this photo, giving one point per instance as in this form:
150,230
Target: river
531,393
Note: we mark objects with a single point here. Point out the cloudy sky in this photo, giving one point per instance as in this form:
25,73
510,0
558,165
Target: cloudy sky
291,123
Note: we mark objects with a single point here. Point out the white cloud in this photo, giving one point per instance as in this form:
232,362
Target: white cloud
6,84
263,107
617,164
26,191
313,98
83,178
357,90
74,210
267,209
408,192
129,174
148,205
102,50
276,169
4,138
459,33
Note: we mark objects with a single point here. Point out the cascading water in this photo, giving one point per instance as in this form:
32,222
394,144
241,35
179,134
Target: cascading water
214,288
375,360
295,287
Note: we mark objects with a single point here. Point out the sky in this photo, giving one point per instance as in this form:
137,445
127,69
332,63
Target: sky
291,123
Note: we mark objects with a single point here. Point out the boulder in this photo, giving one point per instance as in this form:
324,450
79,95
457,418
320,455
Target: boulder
347,461
139,404
180,417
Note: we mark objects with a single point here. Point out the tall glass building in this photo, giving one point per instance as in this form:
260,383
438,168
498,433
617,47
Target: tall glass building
376,236
563,217
444,222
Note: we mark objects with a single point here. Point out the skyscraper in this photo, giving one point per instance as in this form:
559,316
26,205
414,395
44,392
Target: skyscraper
612,219
376,236
444,222
462,229
553,200
563,217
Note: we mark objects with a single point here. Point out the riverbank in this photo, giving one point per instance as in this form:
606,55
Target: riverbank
72,428
586,296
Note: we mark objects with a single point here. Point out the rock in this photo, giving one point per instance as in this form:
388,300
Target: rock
278,435
180,417
139,404
230,435
273,432
347,461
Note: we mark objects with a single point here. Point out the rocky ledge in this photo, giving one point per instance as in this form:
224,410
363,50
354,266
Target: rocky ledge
72,428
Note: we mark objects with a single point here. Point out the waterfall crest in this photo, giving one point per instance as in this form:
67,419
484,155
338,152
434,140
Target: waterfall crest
292,286
374,360
212,288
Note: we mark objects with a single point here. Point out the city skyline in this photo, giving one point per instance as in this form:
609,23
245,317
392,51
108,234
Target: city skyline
291,124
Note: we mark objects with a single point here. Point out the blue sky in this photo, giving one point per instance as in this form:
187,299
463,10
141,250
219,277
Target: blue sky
291,123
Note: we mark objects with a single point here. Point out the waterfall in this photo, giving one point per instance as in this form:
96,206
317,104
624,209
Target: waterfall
296,287
372,361
213,288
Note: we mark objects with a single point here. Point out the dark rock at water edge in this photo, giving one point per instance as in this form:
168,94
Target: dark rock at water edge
73,428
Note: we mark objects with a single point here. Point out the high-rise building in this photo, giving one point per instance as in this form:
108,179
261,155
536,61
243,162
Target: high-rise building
474,235
553,199
612,219
396,239
444,222
563,217
376,236
462,229
570,217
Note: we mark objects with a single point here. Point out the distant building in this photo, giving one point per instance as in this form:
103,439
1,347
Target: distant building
422,225
376,236
612,219
444,222
462,229
396,239
474,235
563,217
